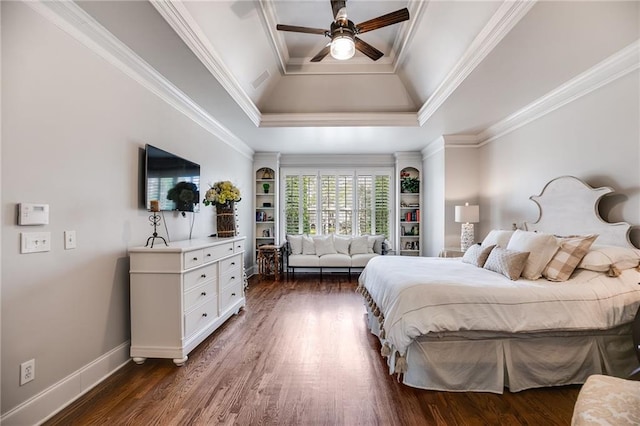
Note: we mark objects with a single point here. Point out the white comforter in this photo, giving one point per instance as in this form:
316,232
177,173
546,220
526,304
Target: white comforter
429,295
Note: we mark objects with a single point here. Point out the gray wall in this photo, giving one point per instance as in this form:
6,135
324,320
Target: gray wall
595,138
73,127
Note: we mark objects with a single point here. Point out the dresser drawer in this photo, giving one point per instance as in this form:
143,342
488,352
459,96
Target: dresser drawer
193,258
200,317
230,278
238,246
216,252
230,264
230,295
200,275
198,295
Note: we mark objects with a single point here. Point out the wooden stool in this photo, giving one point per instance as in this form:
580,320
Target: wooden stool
269,260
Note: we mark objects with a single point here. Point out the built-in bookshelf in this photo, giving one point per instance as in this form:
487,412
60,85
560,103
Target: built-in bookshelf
266,167
409,212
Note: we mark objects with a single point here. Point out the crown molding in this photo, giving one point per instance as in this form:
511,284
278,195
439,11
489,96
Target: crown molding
612,68
505,18
179,18
76,22
433,147
407,30
338,119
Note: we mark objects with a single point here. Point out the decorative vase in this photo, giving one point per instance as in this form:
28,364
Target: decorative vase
225,220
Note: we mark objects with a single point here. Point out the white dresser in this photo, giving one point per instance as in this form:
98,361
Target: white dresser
180,294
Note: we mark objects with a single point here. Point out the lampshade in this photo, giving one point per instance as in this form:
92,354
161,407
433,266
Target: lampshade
467,214
343,47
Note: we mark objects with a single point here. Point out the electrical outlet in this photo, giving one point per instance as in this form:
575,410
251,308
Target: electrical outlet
27,371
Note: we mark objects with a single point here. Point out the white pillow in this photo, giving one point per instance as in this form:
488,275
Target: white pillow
324,245
359,245
308,247
341,244
541,248
497,237
601,258
295,242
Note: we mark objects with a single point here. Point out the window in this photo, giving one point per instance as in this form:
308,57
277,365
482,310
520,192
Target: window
343,202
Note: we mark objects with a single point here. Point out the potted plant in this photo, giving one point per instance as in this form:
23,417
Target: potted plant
223,195
185,195
265,187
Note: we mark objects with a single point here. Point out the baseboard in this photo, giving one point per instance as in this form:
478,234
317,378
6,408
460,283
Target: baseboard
50,401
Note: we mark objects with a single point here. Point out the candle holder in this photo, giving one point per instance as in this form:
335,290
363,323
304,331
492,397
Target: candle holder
155,221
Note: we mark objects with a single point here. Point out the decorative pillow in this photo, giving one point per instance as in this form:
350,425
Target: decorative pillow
308,247
477,255
497,237
374,243
541,248
568,256
602,258
509,263
324,245
359,245
295,242
341,244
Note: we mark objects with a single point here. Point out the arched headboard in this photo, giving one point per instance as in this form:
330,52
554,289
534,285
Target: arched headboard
568,206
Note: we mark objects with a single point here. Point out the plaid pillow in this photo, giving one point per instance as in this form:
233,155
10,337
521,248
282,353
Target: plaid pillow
568,256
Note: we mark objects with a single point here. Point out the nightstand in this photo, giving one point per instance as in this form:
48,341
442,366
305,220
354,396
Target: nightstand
451,252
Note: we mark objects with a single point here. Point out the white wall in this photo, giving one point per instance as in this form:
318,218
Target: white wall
73,127
433,203
595,138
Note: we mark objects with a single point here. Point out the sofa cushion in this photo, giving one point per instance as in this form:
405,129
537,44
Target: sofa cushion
359,245
336,259
324,245
308,246
341,243
295,242
374,243
361,260
301,260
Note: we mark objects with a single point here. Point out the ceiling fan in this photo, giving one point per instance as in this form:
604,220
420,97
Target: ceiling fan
343,32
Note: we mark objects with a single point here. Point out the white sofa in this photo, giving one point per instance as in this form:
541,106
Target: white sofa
332,251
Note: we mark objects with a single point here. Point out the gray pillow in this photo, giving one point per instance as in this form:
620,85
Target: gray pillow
477,255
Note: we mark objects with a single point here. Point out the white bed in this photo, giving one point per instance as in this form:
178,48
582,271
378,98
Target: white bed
449,325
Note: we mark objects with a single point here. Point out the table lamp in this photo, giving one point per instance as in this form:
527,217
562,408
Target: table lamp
467,215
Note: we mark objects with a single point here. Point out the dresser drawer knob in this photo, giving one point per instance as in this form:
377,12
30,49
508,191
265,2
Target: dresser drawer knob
230,248
233,278
194,259
233,294
233,263
204,315
204,293
208,254
203,276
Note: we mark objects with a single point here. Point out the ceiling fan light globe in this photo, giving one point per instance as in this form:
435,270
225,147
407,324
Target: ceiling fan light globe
343,48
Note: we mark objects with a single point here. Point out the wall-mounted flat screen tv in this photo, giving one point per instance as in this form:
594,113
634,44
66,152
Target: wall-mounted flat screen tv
171,180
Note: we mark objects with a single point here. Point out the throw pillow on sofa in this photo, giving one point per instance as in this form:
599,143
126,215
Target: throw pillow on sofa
341,244
295,242
359,245
324,245
308,247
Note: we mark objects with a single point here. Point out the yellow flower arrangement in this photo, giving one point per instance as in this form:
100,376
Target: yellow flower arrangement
222,193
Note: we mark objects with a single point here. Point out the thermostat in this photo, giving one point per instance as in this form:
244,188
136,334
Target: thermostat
33,214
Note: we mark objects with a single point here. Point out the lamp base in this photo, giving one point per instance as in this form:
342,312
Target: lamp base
467,238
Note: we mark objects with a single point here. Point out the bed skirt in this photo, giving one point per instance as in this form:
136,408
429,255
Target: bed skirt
485,362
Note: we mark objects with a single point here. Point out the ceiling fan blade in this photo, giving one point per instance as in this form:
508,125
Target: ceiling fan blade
336,5
383,21
321,54
368,49
295,29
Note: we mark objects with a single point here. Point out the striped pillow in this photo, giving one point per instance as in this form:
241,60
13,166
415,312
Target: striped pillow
568,256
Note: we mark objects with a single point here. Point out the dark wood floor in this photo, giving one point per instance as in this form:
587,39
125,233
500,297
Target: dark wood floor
299,354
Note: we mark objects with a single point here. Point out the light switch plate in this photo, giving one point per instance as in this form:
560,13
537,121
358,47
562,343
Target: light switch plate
69,240
33,242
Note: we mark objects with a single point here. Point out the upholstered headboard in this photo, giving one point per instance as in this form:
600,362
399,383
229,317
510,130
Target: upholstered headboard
568,206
